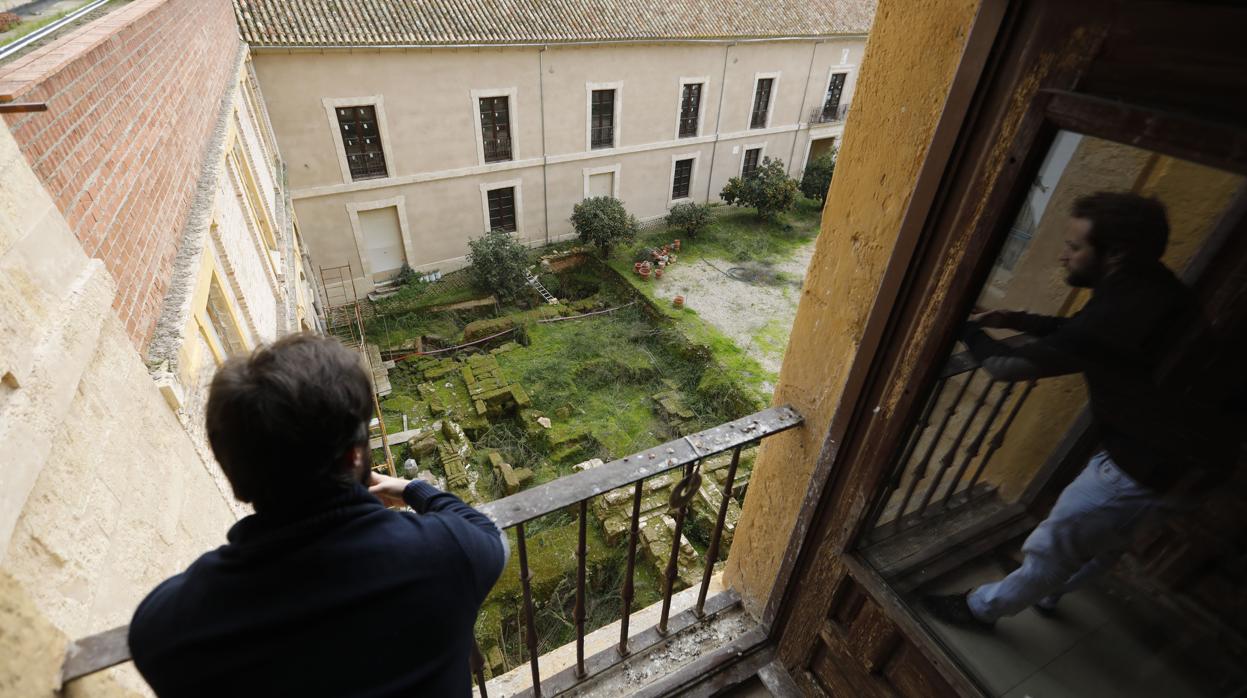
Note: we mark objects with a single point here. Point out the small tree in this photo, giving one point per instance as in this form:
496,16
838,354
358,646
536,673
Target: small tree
817,178
497,262
603,221
768,189
691,218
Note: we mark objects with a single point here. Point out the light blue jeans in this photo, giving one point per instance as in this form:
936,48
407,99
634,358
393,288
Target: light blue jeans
1087,530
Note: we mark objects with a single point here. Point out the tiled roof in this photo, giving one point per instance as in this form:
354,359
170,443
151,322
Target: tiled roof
443,22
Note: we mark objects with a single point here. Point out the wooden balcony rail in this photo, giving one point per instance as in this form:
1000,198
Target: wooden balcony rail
98,652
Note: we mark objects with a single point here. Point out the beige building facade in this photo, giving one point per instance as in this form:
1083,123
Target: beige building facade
694,110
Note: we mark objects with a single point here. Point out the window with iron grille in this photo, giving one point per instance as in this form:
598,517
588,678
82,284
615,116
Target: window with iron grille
690,110
831,103
361,139
602,119
496,128
682,178
750,165
761,103
502,209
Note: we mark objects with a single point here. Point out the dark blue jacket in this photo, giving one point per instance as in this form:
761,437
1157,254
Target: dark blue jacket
333,598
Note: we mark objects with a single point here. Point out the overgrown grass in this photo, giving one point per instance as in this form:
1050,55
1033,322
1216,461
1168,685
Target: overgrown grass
738,235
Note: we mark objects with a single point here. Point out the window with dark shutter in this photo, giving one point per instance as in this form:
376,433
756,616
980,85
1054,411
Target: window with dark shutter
690,109
361,139
502,209
751,162
496,128
682,179
761,103
831,103
602,119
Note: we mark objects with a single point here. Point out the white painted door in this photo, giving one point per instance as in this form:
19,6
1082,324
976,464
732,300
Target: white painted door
383,241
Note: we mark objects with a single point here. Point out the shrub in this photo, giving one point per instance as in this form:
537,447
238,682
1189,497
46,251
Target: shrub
406,275
602,221
817,177
8,20
497,262
691,218
769,189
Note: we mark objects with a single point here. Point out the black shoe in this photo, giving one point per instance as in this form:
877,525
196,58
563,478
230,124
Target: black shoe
954,609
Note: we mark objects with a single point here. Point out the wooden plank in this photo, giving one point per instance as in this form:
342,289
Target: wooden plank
921,545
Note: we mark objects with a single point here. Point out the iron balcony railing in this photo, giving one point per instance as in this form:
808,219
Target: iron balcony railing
107,649
939,473
829,114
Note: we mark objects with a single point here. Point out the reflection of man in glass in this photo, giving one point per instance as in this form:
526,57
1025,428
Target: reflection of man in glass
1154,440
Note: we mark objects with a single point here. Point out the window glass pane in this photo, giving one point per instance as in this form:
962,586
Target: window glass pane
1101,255
761,103
496,128
831,103
602,119
361,141
690,108
751,162
502,209
681,181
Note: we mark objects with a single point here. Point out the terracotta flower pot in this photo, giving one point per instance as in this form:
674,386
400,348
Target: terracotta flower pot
658,273
676,245
678,301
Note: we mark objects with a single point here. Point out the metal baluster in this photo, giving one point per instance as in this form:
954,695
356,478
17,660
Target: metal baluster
935,440
712,552
998,438
579,613
899,467
973,449
947,459
627,592
531,630
477,663
687,488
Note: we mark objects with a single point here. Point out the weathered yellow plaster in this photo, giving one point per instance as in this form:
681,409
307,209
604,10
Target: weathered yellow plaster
904,84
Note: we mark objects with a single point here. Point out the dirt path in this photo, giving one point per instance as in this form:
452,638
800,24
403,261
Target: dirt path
758,315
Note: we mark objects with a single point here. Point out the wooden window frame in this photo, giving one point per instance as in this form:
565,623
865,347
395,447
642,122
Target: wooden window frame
995,129
616,123
377,102
518,204
692,177
683,83
511,94
771,97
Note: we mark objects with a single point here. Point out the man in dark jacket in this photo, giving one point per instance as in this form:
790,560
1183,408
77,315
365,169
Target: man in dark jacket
1155,437
323,591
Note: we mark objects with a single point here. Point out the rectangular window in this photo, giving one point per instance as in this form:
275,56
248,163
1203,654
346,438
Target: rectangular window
690,109
502,209
751,162
683,176
361,139
831,103
761,103
496,128
602,120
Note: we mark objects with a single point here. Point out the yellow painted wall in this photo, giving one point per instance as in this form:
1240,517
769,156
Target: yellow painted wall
904,82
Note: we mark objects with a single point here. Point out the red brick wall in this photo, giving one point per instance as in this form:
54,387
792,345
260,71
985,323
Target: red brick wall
132,100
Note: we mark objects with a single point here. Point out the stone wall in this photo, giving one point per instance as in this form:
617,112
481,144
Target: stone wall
103,494
132,98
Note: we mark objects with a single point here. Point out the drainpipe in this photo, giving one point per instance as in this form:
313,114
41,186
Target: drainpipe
796,136
541,94
718,118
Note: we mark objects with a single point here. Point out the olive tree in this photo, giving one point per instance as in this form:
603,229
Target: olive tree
497,262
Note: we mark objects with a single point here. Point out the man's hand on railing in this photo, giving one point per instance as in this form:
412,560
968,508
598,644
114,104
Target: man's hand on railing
388,489
991,318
